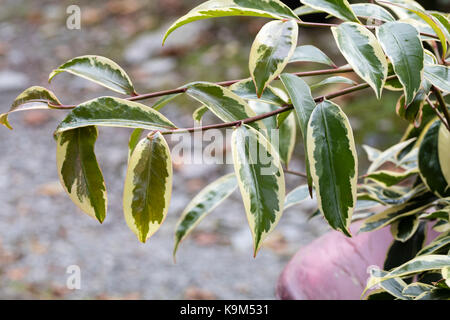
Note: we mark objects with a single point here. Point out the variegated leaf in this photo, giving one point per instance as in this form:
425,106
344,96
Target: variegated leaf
79,172
114,112
372,153
389,155
440,243
430,20
246,89
222,102
403,229
439,76
282,140
382,219
402,44
434,159
261,181
148,186
31,99
416,289
333,164
199,113
416,265
203,203
394,286
308,53
371,11
271,51
363,52
224,8
390,178
338,8
100,70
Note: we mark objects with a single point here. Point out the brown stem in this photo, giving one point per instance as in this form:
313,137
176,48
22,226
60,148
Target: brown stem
223,83
295,173
437,112
268,114
442,104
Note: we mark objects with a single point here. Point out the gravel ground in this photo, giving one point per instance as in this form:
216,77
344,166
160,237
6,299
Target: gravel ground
42,232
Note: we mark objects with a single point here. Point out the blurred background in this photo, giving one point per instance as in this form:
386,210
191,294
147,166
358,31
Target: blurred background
42,232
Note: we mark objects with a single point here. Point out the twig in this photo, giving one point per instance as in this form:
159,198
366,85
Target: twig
442,105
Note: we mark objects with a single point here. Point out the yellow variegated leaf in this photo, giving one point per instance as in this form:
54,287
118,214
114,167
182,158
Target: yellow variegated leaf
32,98
79,172
100,70
223,8
333,164
261,181
148,186
203,203
337,8
363,52
271,51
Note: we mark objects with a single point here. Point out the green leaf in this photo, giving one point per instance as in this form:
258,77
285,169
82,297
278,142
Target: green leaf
203,203
416,265
148,186
246,89
403,229
271,51
222,102
100,70
199,113
114,112
434,155
435,294
389,178
333,80
296,196
308,53
363,52
338,8
402,44
333,164
304,104
372,11
31,99
261,181
439,76
79,172
225,8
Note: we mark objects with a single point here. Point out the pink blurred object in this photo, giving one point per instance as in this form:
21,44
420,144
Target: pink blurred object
334,267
